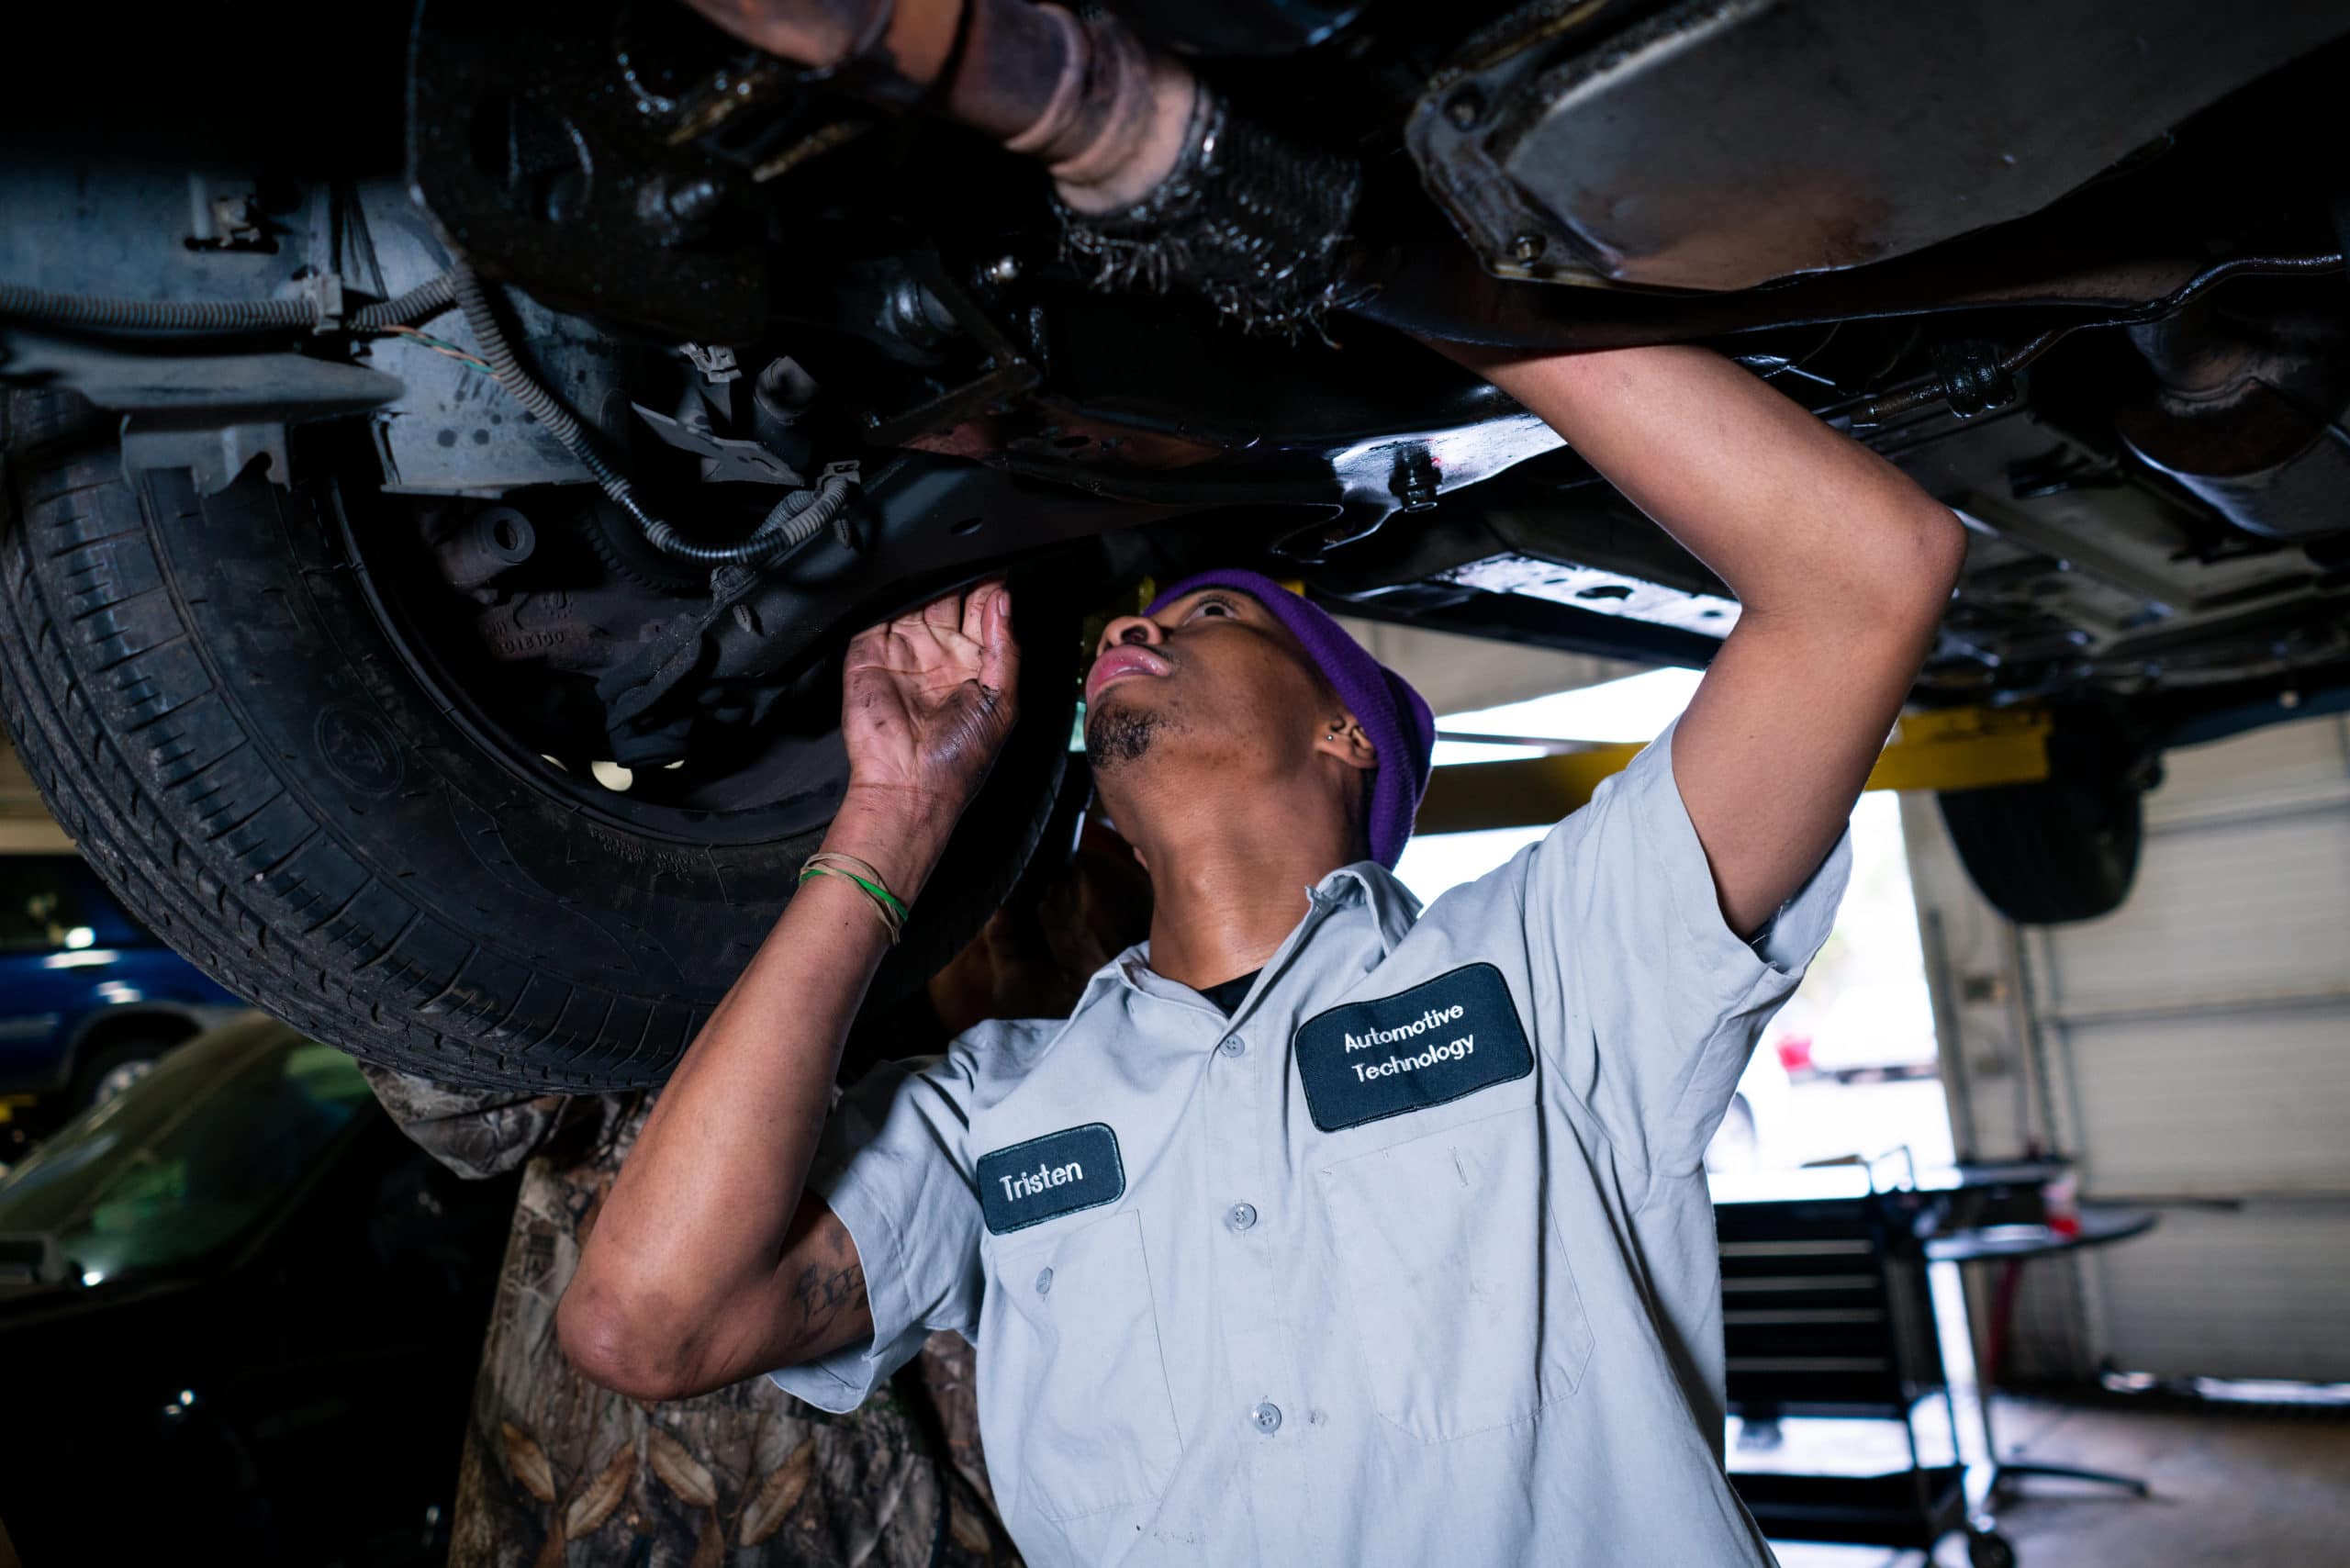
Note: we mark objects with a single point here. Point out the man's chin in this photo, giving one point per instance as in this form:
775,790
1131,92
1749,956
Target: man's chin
1119,734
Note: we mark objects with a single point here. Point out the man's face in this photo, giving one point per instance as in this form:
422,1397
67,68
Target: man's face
1213,680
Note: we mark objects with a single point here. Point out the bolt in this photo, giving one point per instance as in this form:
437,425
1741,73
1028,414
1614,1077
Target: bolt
1526,249
1465,108
1414,481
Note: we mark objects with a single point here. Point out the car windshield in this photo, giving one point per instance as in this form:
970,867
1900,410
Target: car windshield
186,1158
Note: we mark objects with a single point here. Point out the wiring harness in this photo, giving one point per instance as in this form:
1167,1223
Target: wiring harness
796,519
320,309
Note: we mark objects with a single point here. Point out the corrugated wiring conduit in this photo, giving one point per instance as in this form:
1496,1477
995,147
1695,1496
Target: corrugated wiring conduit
215,315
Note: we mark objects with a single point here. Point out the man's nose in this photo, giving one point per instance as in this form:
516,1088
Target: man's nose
1129,629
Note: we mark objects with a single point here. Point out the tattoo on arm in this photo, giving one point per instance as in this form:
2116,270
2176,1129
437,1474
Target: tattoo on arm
830,1287
824,1292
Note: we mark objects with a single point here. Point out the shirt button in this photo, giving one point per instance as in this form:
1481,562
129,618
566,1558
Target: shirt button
1240,1216
1043,1281
1232,1046
1267,1418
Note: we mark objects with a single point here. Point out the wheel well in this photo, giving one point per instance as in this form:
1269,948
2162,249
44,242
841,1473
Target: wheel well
122,1024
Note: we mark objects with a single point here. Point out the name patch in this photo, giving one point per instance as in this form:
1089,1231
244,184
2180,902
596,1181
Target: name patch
1447,1038
1048,1177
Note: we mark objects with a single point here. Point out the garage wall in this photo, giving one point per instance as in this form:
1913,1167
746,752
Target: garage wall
2193,1050
25,824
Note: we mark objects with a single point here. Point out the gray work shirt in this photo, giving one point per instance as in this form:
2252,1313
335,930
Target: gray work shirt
1410,1260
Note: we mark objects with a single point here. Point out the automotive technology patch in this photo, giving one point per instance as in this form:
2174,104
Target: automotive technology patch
1028,1184
1447,1038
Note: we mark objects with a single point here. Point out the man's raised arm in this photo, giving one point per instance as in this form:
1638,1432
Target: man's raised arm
1840,564
708,1262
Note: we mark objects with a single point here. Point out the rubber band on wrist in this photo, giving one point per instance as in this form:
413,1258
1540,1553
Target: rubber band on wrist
865,874
891,911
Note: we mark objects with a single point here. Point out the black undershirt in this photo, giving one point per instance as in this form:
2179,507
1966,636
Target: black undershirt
1229,995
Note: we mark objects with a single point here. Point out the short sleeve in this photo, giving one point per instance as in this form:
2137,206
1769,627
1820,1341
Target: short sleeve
893,1167
1654,1003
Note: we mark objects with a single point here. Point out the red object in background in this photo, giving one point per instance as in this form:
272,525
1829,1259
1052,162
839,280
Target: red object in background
2063,1199
1795,1053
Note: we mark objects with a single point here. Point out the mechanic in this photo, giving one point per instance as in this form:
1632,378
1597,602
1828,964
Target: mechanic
1324,1231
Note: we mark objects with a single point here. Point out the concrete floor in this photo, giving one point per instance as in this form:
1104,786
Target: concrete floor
2254,1490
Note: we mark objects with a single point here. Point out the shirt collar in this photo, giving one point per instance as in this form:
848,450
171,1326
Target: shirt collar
1366,883
1391,902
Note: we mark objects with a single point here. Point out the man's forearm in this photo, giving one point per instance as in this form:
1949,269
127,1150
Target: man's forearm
1840,564
699,1219
1787,511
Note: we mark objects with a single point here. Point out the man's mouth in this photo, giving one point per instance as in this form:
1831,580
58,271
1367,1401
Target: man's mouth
1121,662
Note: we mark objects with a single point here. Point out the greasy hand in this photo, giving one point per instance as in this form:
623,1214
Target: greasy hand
927,700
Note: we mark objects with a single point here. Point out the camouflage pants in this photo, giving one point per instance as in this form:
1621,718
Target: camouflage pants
558,1471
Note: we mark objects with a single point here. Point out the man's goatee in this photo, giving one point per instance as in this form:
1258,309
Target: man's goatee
1117,735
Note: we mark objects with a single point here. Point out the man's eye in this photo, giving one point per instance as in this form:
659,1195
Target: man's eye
1215,607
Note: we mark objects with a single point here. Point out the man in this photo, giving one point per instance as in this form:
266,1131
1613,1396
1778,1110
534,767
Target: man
1319,1232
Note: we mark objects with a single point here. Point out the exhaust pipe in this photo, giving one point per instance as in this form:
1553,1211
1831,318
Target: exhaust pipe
1109,119
1159,182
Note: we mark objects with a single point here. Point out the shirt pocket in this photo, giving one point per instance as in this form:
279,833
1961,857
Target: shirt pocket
1463,1305
1079,1343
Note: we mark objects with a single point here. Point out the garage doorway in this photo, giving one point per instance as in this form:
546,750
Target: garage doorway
2191,1051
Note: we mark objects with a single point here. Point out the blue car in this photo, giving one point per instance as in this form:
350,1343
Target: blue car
89,998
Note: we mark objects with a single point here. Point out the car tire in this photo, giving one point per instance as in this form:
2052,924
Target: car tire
219,718
2066,847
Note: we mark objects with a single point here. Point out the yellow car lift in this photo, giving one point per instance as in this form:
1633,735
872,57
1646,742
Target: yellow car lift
1952,749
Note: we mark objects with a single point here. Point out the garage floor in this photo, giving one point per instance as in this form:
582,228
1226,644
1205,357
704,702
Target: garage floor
2247,1491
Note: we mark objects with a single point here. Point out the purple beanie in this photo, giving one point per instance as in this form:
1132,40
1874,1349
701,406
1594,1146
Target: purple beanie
1397,722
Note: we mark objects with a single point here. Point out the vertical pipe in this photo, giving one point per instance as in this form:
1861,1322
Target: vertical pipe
1110,118
1950,1047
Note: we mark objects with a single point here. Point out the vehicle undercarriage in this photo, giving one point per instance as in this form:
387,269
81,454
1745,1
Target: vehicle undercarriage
445,475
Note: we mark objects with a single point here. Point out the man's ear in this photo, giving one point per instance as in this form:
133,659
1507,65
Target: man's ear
1343,738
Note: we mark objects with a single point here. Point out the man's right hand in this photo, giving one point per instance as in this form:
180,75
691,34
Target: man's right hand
927,699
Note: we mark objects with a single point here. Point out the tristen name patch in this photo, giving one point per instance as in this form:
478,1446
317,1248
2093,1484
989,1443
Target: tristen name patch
1447,1038
1048,1177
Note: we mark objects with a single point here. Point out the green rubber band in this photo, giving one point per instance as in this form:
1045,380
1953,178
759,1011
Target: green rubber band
876,888
884,894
